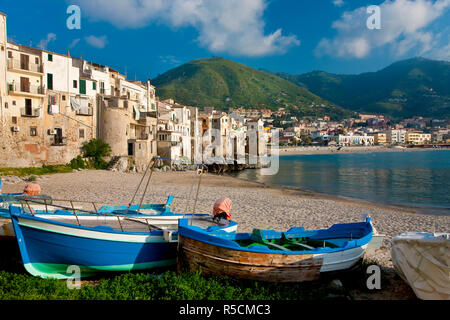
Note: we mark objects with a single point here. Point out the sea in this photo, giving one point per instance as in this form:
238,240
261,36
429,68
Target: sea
417,179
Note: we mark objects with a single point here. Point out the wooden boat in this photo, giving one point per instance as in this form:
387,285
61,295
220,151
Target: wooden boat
156,214
49,247
422,260
293,256
6,199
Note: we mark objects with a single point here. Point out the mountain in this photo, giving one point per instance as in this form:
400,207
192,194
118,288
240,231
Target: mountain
223,83
414,87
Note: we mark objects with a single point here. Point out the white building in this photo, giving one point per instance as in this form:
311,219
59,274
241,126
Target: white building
351,139
395,136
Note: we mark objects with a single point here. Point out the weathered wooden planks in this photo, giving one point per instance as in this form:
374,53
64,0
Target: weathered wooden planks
212,259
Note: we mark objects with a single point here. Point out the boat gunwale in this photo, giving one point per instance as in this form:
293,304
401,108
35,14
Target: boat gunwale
211,238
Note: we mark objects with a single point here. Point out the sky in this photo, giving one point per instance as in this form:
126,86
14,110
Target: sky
144,38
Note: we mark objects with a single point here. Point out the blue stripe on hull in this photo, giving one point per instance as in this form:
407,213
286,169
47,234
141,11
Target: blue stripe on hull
39,246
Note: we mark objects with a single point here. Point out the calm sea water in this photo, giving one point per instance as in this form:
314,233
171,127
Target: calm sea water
412,179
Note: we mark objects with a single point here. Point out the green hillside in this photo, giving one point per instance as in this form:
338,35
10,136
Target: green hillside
222,83
414,87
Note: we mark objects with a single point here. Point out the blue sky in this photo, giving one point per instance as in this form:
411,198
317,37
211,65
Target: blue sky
144,38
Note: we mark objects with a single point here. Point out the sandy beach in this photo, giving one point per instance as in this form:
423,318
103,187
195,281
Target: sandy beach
254,206
350,149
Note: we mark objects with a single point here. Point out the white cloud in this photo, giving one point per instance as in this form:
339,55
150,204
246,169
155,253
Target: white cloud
403,29
97,42
74,43
232,26
338,3
44,42
170,59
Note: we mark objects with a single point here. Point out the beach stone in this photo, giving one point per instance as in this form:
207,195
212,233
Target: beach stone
11,179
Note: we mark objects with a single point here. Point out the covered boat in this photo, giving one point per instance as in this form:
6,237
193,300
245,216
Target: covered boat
296,255
49,247
423,261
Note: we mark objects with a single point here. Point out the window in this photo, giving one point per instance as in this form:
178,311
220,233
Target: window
36,60
14,120
94,85
50,81
81,133
50,57
64,98
33,131
83,86
10,54
51,100
75,83
6,105
14,102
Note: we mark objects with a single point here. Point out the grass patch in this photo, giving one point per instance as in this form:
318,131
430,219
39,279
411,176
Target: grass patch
164,284
170,285
36,171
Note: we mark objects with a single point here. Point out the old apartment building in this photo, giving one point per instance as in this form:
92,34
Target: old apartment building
52,103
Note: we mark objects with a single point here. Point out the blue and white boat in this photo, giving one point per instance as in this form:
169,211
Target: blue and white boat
49,247
296,255
156,214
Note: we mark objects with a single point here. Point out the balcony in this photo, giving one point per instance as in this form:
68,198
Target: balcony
143,136
59,141
30,112
24,67
26,89
84,111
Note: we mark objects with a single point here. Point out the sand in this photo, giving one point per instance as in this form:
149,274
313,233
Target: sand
255,205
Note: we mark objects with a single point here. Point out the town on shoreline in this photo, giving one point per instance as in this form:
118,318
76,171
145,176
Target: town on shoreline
52,104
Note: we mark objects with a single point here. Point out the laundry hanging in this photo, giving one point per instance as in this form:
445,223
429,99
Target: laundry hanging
53,109
137,113
75,104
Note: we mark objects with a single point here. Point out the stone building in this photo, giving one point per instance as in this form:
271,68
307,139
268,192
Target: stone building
126,123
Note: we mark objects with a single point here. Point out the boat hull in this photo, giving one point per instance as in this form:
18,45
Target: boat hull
271,267
48,249
7,229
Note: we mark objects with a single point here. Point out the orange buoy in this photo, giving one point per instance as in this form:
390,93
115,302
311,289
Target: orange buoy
32,190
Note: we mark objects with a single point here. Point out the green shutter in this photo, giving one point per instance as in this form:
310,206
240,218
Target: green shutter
50,57
50,81
82,86
94,85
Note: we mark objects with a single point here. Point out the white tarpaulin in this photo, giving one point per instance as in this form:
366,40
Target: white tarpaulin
137,113
53,109
84,106
423,261
74,104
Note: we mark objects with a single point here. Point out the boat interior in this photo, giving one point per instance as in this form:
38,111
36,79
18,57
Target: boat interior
299,239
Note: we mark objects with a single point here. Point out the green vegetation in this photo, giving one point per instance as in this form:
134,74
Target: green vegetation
414,87
23,172
94,151
16,283
222,84
78,163
97,149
